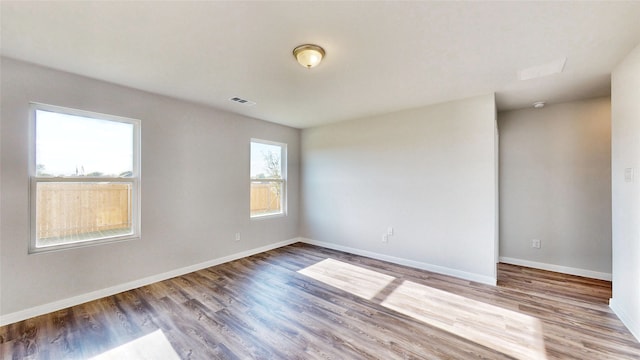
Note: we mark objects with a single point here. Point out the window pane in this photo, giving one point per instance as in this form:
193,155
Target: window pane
68,212
70,145
266,198
266,161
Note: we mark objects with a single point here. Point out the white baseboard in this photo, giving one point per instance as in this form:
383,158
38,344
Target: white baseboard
10,318
406,262
557,268
628,321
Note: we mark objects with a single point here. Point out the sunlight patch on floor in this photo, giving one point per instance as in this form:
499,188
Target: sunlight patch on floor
506,331
354,279
509,332
149,347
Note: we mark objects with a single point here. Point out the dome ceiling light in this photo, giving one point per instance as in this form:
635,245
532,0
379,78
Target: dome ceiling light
539,104
308,55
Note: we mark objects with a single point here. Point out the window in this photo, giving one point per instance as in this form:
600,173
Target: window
268,183
85,178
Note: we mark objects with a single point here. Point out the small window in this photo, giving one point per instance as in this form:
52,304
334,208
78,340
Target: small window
268,180
85,178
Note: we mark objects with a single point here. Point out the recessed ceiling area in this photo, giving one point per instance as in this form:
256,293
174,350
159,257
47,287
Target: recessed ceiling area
380,56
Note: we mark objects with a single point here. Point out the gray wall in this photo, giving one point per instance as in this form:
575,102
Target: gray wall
625,123
430,173
555,186
195,188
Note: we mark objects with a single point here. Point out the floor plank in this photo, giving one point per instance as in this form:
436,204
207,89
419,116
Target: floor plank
308,302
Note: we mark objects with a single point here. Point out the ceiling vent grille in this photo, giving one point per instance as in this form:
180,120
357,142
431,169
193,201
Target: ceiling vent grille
242,101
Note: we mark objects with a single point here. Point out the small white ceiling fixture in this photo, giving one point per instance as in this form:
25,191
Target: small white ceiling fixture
308,55
553,67
539,104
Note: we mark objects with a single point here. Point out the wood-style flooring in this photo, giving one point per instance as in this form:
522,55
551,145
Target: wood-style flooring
308,302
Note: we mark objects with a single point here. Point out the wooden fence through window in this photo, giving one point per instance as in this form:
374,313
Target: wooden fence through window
265,198
65,209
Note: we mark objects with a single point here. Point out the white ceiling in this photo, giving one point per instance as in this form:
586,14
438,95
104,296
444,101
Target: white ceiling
381,56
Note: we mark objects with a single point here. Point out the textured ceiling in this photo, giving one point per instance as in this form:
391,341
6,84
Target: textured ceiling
381,56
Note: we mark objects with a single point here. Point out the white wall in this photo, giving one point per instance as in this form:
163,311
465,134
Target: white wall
430,173
625,153
195,189
555,186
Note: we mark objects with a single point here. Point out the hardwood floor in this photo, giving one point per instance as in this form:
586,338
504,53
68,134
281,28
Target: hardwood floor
307,302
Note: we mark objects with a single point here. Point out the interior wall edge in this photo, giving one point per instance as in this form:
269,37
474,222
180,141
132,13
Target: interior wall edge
626,319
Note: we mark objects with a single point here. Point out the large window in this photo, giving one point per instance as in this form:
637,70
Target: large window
268,186
85,178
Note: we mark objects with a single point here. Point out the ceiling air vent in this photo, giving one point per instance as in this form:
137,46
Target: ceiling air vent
242,101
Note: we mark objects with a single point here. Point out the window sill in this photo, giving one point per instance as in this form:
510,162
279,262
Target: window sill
81,244
268,216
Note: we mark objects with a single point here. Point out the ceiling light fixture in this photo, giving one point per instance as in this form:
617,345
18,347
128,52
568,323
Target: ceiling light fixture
538,104
308,55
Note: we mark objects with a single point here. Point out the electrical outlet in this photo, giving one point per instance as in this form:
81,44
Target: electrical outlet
389,231
535,243
237,236
385,238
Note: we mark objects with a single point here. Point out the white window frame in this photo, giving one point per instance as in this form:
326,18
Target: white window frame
134,180
282,181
